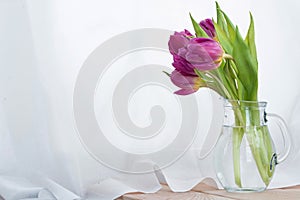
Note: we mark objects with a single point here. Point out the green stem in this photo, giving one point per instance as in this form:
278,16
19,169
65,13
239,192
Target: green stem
249,122
237,134
260,143
237,139
220,84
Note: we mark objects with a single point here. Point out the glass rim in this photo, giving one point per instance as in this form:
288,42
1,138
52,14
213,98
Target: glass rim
244,103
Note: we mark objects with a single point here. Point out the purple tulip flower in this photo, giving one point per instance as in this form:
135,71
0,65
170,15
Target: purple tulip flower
188,84
208,26
190,53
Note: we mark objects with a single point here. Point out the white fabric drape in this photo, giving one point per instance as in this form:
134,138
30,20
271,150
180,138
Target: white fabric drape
43,47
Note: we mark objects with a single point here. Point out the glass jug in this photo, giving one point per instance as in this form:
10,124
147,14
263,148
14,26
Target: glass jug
245,157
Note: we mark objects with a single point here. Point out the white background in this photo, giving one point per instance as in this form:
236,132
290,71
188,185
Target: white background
44,43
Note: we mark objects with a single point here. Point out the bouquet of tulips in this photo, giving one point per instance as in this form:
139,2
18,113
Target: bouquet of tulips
219,58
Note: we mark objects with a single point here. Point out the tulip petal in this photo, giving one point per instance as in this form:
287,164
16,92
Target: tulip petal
208,26
183,81
188,84
176,42
191,53
185,91
182,65
204,53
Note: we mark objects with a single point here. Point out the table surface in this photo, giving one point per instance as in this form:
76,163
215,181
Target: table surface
202,191
205,192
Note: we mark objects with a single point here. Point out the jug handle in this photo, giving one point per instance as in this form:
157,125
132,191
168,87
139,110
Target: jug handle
285,135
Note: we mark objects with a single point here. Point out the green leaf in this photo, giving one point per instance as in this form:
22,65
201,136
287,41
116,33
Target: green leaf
234,68
197,71
168,74
230,27
198,30
247,68
240,93
230,77
227,80
201,74
225,42
250,39
209,82
220,19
